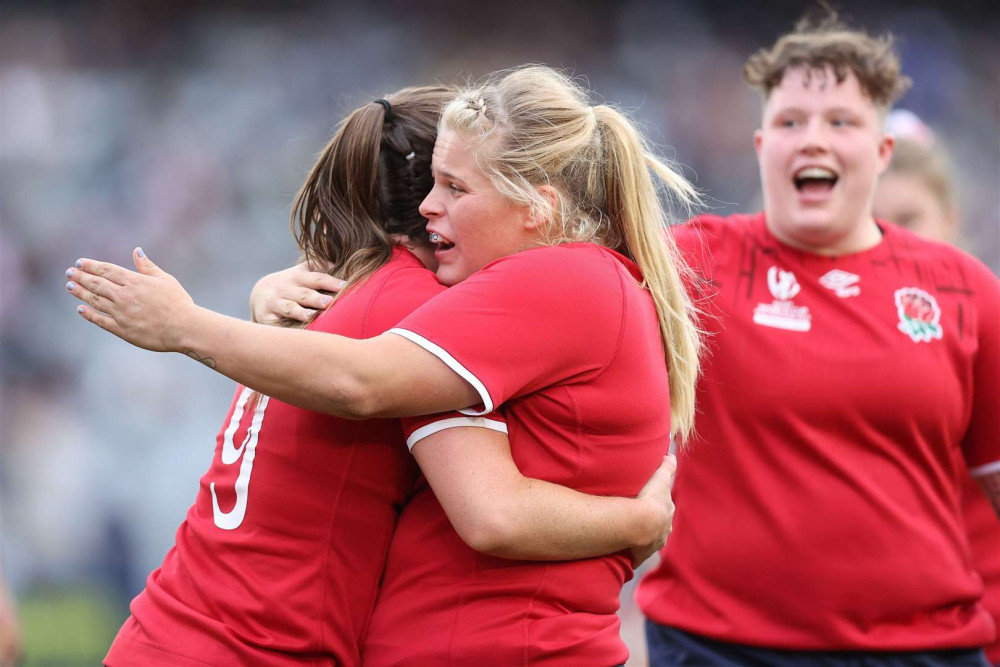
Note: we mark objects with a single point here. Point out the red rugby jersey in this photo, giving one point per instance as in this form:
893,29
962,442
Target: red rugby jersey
568,343
279,559
818,507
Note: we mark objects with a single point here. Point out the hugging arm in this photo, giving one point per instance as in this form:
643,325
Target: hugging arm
354,379
493,507
497,510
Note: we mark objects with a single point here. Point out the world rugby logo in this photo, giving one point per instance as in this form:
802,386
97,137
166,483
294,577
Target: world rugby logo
919,314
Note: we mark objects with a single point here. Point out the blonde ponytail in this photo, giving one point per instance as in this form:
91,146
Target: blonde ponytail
634,206
533,126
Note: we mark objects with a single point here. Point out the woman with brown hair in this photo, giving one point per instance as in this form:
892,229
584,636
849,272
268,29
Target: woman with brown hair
279,560
567,310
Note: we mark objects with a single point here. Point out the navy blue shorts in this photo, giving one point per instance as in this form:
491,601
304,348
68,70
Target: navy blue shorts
670,647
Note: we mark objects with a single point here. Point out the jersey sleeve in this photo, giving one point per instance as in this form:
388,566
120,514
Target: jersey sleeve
416,429
982,439
531,320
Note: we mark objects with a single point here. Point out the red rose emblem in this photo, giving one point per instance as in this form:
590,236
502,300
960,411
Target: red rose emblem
917,308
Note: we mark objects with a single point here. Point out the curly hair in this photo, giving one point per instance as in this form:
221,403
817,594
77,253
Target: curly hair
826,41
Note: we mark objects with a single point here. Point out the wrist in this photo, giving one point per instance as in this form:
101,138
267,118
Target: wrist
648,519
186,332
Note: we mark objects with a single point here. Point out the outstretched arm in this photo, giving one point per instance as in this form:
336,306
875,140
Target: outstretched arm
385,376
497,510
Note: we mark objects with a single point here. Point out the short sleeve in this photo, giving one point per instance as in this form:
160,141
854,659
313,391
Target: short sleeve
416,429
982,440
531,320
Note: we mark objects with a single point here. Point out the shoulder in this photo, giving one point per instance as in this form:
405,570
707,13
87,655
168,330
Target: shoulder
949,257
709,229
573,266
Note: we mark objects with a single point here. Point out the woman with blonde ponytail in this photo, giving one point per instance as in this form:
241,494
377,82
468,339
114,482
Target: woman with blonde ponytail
566,319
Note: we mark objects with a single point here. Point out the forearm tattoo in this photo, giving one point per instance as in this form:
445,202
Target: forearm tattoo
208,361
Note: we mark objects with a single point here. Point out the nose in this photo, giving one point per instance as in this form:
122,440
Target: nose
430,207
815,138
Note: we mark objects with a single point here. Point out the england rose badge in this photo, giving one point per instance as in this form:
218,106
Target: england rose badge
919,314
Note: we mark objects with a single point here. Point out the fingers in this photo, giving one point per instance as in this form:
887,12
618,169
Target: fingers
110,272
307,298
94,284
94,299
293,311
320,281
670,462
145,264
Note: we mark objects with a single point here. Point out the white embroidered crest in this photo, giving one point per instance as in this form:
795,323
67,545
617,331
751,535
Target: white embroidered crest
782,313
782,284
843,283
919,314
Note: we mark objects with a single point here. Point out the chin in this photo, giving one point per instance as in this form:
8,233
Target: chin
448,277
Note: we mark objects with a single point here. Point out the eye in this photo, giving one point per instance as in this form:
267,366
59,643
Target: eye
788,122
455,189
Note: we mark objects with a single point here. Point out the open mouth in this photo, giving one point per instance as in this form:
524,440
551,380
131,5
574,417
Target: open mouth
814,180
441,244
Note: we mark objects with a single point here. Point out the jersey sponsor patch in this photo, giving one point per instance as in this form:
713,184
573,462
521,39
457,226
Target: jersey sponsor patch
843,283
919,314
782,313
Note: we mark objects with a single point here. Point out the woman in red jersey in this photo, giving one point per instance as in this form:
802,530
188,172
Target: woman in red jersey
567,309
854,381
278,561
917,192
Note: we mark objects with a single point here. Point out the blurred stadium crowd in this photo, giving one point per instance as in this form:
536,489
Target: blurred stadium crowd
187,128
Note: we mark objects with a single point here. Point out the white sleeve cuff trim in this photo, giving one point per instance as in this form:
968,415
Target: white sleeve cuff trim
453,364
454,422
987,469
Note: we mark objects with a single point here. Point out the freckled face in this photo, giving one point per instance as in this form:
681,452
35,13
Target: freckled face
475,223
820,150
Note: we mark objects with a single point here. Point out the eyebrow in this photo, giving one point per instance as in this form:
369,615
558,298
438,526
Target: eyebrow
445,174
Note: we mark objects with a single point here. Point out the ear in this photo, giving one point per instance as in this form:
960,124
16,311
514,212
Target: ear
551,197
757,139
885,146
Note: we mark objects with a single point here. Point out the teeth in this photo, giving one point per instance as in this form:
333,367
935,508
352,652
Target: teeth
815,172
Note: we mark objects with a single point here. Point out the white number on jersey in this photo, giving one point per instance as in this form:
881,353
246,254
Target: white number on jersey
230,454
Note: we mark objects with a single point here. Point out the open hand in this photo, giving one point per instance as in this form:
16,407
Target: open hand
293,294
656,492
147,308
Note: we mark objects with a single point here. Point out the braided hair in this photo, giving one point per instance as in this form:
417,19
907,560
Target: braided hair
367,184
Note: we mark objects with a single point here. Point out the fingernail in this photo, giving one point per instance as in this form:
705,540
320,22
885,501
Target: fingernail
139,252
79,264
325,300
69,273
79,309
342,284
310,312
71,286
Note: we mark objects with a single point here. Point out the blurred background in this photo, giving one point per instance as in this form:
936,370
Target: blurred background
187,127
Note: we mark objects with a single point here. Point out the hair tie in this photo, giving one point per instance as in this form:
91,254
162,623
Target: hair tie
388,109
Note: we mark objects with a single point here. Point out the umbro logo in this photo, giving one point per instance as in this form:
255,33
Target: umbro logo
842,283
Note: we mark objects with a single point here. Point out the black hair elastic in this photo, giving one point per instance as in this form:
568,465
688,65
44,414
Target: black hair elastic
388,109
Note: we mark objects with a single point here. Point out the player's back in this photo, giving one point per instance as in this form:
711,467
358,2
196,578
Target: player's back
279,559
